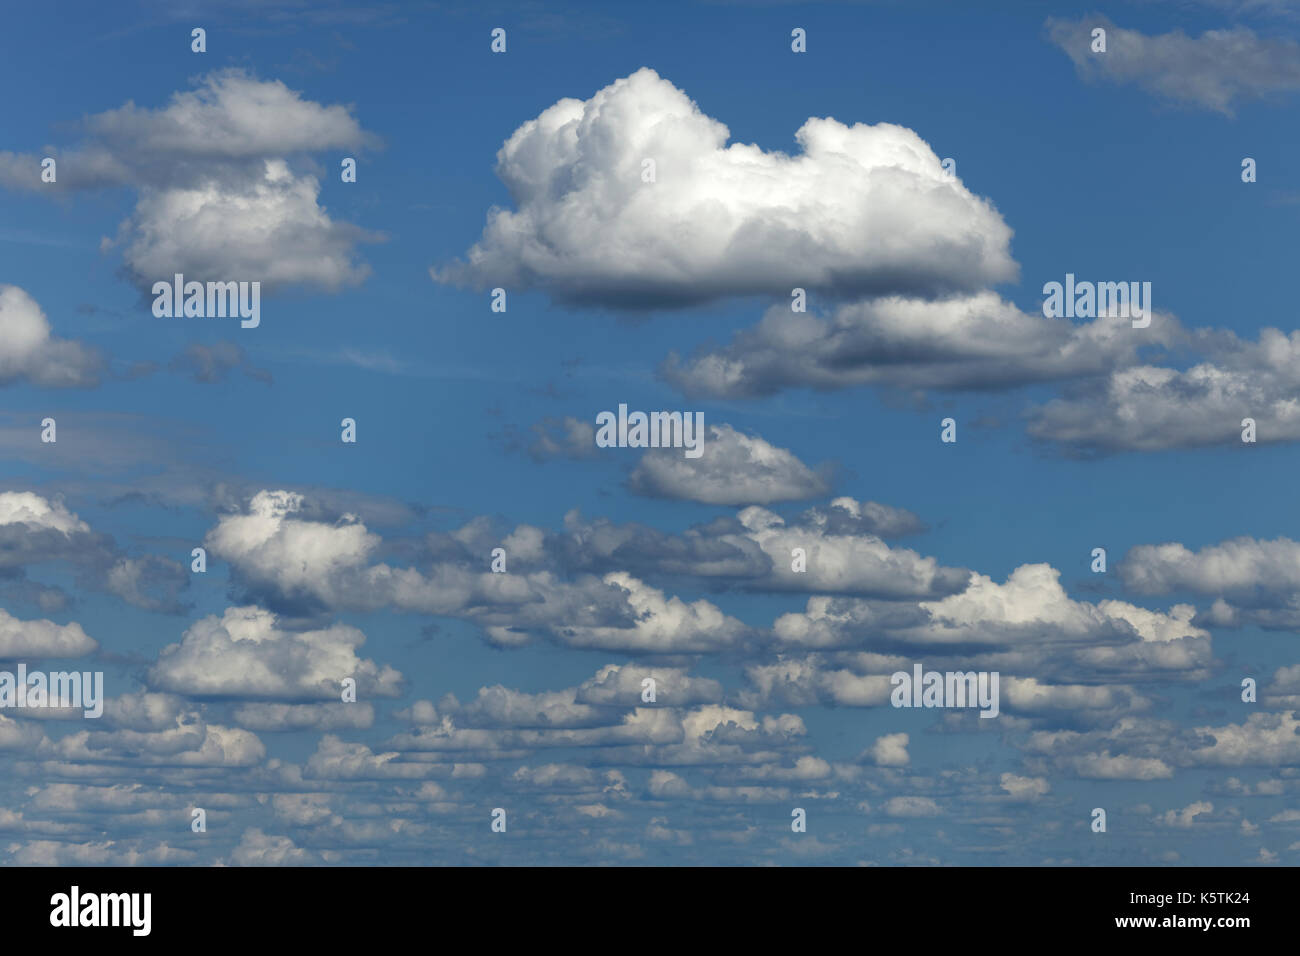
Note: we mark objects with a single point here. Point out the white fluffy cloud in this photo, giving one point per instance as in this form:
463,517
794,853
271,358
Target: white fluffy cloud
1240,565
36,639
243,654
662,624
222,191
276,549
231,114
890,750
1149,407
28,352
1024,788
1254,581
267,227
1262,740
840,560
860,210
622,686
735,469
1030,608
844,551
1186,817
30,509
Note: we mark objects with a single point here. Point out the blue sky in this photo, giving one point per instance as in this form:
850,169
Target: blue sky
1119,690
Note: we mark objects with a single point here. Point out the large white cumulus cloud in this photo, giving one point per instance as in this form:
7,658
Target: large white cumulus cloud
861,210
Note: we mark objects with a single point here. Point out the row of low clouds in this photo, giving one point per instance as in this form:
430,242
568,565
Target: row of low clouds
1079,694
597,583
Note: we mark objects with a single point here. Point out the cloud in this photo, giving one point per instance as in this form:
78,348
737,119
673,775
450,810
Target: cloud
242,654
337,759
36,639
34,530
257,848
308,566
499,706
317,717
1133,748
189,742
1024,788
1030,608
622,686
1262,740
1242,565
217,196
279,552
843,551
1253,581
802,682
1104,766
231,115
210,364
860,210
1213,71
890,750
735,469
29,353
912,807
1187,815
267,228
662,624
974,342
36,514
1152,408
566,437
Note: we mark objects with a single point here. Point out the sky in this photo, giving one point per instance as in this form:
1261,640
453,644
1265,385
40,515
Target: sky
835,257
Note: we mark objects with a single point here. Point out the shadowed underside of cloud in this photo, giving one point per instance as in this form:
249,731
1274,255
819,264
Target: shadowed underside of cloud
36,531
971,342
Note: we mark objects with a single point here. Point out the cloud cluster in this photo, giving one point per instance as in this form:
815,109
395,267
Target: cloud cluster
222,191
